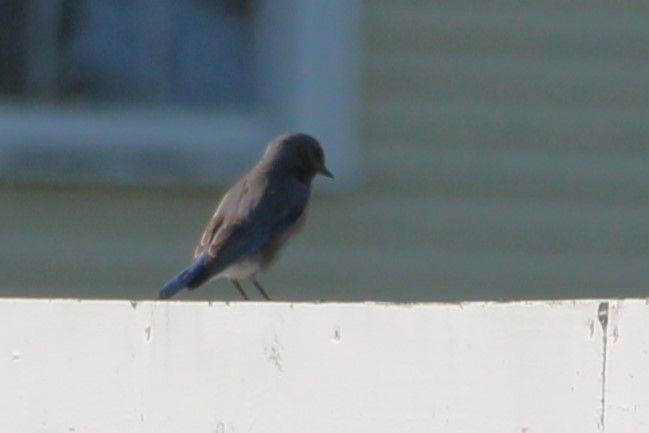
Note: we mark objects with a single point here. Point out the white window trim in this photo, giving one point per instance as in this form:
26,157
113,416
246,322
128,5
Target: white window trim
309,53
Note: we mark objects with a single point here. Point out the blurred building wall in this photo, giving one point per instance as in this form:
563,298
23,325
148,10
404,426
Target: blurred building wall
508,143
504,152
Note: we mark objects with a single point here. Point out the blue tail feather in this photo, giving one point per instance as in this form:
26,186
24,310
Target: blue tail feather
182,280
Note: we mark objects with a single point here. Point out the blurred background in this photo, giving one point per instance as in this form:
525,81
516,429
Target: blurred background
481,151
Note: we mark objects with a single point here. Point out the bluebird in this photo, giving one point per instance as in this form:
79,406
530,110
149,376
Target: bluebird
256,216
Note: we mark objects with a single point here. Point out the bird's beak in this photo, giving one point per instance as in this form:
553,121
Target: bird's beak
323,171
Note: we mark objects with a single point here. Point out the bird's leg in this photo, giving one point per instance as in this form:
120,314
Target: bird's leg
258,286
239,288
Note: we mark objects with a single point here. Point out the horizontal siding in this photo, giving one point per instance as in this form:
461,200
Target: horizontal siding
576,83
526,57
363,245
531,174
410,123
508,145
587,31
507,79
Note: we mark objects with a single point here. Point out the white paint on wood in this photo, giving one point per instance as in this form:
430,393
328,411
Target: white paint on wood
99,366
627,376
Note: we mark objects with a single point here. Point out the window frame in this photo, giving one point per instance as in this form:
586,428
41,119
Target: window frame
308,52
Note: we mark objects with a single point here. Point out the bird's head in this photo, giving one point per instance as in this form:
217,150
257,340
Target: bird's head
297,153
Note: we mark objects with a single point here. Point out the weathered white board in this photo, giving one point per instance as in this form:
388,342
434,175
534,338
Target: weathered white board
117,366
627,376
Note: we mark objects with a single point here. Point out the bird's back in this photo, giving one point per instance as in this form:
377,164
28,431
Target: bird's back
253,221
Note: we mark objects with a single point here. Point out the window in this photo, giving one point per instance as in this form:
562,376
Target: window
170,91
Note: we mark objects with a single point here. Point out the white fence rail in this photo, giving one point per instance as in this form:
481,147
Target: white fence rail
119,366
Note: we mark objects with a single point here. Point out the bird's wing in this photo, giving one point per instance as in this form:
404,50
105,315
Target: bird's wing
247,218
213,225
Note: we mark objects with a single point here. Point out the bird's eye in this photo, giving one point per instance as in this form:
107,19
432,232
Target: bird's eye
319,155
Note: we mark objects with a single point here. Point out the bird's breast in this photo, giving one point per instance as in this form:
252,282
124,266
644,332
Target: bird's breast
242,269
